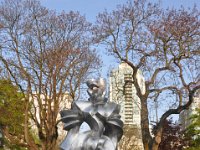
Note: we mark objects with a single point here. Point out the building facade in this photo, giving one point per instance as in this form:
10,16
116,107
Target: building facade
123,92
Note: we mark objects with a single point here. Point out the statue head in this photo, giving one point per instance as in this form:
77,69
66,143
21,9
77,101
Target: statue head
96,90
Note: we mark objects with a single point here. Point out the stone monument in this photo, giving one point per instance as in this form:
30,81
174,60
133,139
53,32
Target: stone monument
102,117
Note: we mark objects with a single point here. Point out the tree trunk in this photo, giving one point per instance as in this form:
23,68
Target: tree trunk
28,139
146,137
149,143
49,142
157,139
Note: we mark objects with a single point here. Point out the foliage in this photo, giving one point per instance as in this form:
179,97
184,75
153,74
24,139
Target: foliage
193,131
12,113
172,136
12,145
11,107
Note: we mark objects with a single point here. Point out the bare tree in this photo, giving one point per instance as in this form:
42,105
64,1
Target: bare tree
46,55
164,45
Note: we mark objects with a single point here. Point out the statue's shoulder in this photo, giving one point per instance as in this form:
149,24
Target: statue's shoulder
115,107
82,105
109,109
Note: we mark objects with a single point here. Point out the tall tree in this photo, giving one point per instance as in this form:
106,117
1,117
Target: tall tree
164,45
46,55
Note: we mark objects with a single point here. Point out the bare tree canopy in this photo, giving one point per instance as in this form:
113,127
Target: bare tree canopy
46,55
164,45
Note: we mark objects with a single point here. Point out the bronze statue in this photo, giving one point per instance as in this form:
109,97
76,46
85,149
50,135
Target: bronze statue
102,117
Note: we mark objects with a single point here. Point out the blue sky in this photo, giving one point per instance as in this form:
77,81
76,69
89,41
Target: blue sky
90,9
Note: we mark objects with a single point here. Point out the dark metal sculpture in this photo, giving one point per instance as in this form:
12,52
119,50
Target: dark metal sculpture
102,117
